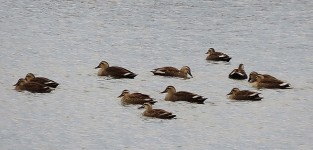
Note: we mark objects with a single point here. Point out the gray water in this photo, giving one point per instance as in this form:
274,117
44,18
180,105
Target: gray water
64,40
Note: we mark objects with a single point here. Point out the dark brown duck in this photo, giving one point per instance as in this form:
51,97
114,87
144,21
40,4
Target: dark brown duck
33,87
114,71
172,95
135,98
260,81
237,94
173,72
156,113
239,73
217,56
42,80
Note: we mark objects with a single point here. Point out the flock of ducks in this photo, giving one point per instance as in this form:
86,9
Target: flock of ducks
44,85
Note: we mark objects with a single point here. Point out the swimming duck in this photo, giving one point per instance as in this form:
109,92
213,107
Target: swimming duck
173,72
172,95
260,81
135,98
239,73
267,77
156,113
236,94
217,56
33,87
42,80
114,71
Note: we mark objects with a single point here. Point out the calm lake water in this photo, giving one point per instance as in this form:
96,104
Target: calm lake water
64,40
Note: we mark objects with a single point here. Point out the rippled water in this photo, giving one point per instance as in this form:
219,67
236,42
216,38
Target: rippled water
65,40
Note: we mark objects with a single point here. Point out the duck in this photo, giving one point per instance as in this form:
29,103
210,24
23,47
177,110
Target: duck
260,81
30,77
135,98
237,94
156,113
267,77
114,71
173,72
238,74
217,56
33,87
172,95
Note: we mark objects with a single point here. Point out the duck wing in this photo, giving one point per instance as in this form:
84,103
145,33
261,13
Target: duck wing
238,74
142,98
160,113
119,72
165,71
190,97
45,81
36,87
248,95
218,56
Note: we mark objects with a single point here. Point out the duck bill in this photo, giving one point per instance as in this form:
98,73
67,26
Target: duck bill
97,67
190,75
230,93
164,91
16,84
207,53
141,107
120,95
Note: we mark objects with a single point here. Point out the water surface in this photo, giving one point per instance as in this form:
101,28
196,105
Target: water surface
65,40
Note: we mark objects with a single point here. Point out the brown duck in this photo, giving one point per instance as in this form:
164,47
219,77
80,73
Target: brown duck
172,95
173,72
260,81
33,87
236,94
135,98
217,56
156,113
42,80
253,74
238,74
114,71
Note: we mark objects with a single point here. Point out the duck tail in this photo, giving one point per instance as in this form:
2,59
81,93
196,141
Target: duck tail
168,116
199,100
131,75
285,85
152,102
257,99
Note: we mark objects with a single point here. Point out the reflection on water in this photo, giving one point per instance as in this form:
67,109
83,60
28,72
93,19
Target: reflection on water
65,40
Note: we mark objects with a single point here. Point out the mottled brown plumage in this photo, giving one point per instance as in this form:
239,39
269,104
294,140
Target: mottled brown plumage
260,81
114,71
217,56
156,113
135,98
42,80
173,72
236,94
33,87
267,78
238,74
172,95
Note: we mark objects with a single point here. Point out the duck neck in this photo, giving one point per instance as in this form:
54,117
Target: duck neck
184,72
169,95
18,88
148,108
